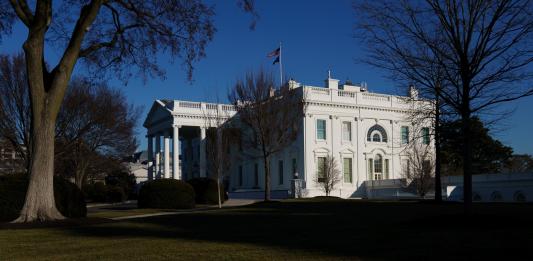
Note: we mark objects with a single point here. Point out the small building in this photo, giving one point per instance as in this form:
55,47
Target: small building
502,187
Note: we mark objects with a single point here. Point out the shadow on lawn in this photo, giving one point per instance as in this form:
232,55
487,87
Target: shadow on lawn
382,230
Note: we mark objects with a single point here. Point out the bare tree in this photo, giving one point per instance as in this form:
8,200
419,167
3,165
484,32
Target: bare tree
15,106
429,113
419,168
94,121
271,119
328,174
219,137
112,37
483,49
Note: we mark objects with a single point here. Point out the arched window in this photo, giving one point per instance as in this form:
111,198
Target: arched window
380,131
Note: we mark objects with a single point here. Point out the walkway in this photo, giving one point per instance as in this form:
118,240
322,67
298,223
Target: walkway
133,205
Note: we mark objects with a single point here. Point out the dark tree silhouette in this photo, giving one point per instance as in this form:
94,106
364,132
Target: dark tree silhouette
520,163
271,119
220,135
490,155
483,49
15,106
94,121
113,37
328,175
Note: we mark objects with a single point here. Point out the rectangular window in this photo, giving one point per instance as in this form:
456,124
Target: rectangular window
320,168
378,166
346,131
240,176
256,175
321,129
280,171
405,134
347,170
425,135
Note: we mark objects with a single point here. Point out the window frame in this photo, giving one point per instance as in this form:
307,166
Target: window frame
325,135
404,135
320,178
347,132
350,167
378,162
425,136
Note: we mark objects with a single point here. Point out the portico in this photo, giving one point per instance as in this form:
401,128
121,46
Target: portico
176,137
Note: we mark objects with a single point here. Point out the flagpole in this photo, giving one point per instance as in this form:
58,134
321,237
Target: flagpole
280,68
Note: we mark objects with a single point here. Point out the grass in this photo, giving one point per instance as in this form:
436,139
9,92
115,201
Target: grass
292,229
114,213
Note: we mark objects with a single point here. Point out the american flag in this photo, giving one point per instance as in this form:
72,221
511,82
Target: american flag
274,53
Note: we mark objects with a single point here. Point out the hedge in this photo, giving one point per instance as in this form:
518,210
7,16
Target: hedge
206,190
96,192
69,199
100,192
116,194
166,194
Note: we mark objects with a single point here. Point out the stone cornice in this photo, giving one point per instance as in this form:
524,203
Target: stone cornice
347,106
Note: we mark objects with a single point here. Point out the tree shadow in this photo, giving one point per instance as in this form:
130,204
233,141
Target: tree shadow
345,228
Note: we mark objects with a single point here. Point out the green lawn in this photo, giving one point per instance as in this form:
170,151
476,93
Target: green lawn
293,229
124,213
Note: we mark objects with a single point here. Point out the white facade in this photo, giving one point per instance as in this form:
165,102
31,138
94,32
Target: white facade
358,128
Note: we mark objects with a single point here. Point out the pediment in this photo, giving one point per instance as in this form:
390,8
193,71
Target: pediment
160,109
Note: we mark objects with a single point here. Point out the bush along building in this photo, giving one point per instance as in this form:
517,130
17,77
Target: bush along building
368,134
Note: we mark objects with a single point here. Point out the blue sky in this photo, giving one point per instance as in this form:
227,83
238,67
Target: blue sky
316,36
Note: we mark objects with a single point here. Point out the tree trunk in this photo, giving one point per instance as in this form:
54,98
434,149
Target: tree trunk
81,170
467,162
46,94
438,186
40,203
267,178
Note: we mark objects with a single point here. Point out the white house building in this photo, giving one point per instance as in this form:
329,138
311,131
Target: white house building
366,132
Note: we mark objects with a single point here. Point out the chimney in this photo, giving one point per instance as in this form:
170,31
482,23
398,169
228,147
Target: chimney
293,84
413,92
332,83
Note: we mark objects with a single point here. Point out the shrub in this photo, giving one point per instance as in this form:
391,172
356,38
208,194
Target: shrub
12,194
69,199
166,194
96,192
206,190
116,194
123,179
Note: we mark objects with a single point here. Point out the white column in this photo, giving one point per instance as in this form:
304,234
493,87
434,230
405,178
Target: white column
203,163
176,152
166,157
157,164
150,157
